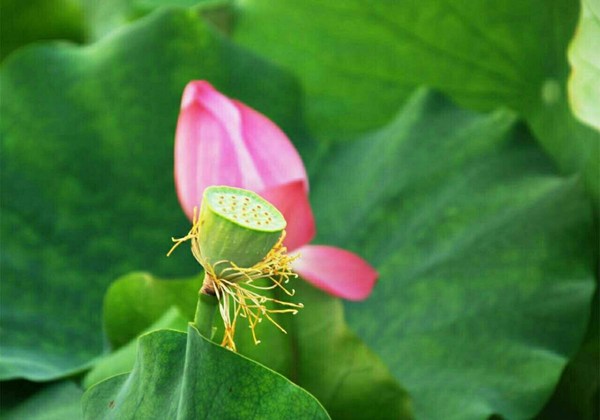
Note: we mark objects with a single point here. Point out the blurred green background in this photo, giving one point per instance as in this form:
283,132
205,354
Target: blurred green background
441,146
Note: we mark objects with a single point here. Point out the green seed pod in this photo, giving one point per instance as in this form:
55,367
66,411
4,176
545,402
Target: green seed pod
237,226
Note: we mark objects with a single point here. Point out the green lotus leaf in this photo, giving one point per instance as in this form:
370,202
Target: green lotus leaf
352,382
486,256
358,61
58,401
87,175
185,376
137,300
23,22
123,359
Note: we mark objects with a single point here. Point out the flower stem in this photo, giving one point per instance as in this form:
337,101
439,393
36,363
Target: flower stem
205,311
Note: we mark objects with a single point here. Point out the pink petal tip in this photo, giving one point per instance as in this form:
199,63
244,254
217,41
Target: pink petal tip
336,271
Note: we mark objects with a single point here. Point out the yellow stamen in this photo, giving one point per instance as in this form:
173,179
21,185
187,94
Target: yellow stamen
238,301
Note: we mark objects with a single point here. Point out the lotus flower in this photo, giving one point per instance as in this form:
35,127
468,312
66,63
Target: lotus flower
221,141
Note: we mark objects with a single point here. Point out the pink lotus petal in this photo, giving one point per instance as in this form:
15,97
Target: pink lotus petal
274,155
336,271
202,152
220,141
292,201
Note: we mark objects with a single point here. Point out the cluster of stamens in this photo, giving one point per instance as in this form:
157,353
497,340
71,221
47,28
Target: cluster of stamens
227,280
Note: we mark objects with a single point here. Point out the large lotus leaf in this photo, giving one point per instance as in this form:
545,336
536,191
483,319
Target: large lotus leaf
102,17
122,360
87,175
359,59
137,300
577,395
485,256
59,401
185,376
584,55
351,382
22,22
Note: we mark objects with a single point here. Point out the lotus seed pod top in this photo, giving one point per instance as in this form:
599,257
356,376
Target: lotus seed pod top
236,226
238,238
